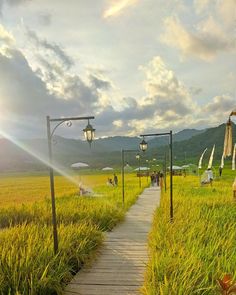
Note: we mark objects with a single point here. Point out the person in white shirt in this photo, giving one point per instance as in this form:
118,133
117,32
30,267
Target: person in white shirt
209,176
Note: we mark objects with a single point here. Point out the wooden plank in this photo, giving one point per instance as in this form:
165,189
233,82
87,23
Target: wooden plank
120,264
102,290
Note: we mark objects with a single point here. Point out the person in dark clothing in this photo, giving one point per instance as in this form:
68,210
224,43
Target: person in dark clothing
161,177
115,180
220,170
157,178
152,179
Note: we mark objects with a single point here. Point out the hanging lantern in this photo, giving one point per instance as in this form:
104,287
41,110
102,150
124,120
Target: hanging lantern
143,145
89,132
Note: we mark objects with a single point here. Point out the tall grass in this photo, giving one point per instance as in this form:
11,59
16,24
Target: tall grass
190,254
27,263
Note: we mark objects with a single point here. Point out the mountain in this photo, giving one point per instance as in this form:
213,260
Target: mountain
186,134
179,136
188,144
193,147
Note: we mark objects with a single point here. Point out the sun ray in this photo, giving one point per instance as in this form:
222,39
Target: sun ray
38,156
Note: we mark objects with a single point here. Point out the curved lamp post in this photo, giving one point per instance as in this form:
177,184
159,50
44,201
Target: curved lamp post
89,135
138,157
143,146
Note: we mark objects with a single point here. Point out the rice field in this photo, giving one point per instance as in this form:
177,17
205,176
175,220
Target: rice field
186,256
27,262
199,247
25,188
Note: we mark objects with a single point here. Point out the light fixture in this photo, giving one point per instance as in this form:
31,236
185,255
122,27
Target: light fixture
137,156
89,133
143,145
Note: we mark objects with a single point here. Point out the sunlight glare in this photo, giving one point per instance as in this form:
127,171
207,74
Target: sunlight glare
39,157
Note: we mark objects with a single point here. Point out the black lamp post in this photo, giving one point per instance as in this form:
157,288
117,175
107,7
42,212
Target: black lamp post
123,172
165,172
89,135
138,156
143,146
148,169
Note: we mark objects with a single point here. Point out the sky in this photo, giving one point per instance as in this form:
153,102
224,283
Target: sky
138,66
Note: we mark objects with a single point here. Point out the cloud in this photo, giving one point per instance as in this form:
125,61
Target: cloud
226,10
5,36
164,90
54,67
41,79
201,5
16,2
117,7
167,104
204,43
100,82
118,123
24,95
11,3
22,92
195,90
45,19
53,48
220,105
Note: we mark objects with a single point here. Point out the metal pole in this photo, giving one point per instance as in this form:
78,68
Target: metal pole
147,170
171,179
171,167
123,179
165,172
139,171
54,220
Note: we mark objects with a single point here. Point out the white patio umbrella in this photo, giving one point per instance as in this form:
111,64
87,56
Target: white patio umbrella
79,165
107,169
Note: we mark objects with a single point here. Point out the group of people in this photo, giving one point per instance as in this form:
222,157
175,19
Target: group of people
113,182
156,178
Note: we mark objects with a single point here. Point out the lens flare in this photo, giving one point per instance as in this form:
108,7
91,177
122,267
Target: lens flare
39,157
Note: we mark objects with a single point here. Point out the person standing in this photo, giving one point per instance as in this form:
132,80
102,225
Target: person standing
234,189
152,179
220,171
157,177
161,176
115,180
209,176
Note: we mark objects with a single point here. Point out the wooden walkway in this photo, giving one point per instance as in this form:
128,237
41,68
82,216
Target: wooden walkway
120,265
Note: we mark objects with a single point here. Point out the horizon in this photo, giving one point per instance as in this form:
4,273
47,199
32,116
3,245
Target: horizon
111,136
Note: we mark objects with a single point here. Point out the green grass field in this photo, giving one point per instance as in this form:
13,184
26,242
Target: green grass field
199,247
27,262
